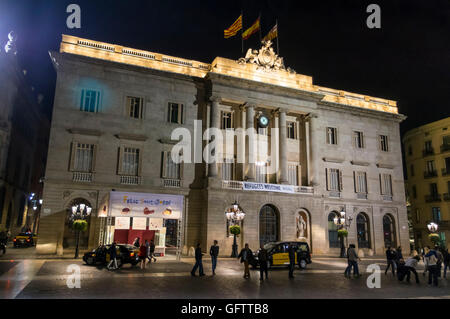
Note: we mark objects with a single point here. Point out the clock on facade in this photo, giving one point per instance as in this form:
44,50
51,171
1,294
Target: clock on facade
263,121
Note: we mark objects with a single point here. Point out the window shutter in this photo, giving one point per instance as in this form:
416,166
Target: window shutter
94,156
327,177
381,184
139,154
120,160
72,156
181,113
181,170
340,181
163,164
354,181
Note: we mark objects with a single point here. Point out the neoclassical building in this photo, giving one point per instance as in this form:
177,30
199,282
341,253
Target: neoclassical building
316,152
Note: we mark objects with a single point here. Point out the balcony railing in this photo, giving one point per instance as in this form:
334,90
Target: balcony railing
428,151
130,180
433,198
82,177
335,194
445,148
447,197
429,174
446,171
239,185
361,195
172,183
387,198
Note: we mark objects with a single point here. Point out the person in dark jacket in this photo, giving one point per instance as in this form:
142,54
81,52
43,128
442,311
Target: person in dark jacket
113,256
446,255
431,261
152,251
214,253
198,262
136,243
143,255
291,251
246,255
263,259
390,258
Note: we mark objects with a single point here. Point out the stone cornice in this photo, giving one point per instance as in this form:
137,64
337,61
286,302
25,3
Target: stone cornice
333,160
383,165
83,131
168,141
131,137
360,163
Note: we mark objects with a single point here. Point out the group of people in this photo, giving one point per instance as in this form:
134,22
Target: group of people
146,251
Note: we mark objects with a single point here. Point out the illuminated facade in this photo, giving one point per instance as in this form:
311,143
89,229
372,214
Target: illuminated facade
319,150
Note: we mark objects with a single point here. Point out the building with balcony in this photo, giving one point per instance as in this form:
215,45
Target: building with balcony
427,150
309,152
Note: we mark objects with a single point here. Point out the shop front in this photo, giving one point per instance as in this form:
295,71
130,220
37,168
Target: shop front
152,217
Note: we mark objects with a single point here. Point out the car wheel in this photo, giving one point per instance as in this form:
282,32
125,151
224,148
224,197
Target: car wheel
302,264
90,261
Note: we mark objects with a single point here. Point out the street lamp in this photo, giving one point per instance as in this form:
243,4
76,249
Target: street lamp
79,212
432,227
234,216
342,221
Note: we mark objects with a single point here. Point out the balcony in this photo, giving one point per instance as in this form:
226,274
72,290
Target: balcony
433,198
447,197
428,152
334,194
361,195
446,171
171,183
82,177
387,198
248,186
445,148
430,174
130,180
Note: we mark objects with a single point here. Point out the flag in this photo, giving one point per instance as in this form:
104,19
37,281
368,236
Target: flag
272,33
255,27
235,27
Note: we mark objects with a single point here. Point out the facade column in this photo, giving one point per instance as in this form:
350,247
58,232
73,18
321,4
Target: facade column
250,145
308,150
240,158
283,148
215,123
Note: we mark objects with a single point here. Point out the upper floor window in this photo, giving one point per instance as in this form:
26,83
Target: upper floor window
90,100
170,169
431,167
176,111
332,135
334,179
135,107
261,172
227,120
358,139
411,170
129,161
386,184
433,190
436,214
291,130
446,140
293,175
83,157
428,147
228,169
360,180
384,146
414,191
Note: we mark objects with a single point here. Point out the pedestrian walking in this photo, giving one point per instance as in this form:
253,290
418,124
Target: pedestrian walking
214,253
113,257
291,252
440,260
432,268
353,258
152,251
246,255
390,258
198,262
136,243
263,259
446,261
143,255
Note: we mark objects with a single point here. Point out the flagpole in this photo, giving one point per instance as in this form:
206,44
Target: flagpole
260,35
278,37
242,31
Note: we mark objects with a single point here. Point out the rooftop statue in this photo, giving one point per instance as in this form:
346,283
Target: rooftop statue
10,46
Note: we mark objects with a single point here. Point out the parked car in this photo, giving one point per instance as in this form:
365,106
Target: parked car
25,240
126,254
278,254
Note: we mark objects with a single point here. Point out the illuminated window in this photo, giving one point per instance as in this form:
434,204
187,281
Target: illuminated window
90,100
83,157
130,161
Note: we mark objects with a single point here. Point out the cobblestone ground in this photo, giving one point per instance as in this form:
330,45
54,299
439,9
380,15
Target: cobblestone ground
171,279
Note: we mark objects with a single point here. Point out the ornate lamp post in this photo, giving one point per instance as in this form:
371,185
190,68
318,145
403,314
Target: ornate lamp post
79,212
234,215
433,228
343,222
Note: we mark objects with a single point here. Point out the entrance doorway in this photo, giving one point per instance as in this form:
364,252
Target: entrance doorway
269,224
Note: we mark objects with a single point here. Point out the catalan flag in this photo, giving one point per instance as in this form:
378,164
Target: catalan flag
255,27
235,27
272,33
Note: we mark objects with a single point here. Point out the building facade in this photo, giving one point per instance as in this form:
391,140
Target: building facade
119,113
23,145
427,158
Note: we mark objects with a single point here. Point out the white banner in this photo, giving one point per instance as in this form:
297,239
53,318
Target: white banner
155,224
248,186
122,223
146,205
139,223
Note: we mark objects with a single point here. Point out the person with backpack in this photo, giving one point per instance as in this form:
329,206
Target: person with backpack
432,268
214,253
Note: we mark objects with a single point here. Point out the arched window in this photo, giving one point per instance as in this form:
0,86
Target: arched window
363,230
332,231
268,224
389,231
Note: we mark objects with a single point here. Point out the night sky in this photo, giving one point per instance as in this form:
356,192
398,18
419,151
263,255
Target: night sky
407,60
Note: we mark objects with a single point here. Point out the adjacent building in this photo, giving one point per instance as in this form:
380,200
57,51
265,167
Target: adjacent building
119,112
427,158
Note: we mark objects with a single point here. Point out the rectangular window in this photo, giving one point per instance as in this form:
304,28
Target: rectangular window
332,135
176,113
227,120
386,184
135,107
90,100
446,140
411,170
431,167
130,161
384,143
171,170
291,130
228,169
414,191
428,146
334,179
360,182
433,190
436,214
293,175
83,159
261,172
358,139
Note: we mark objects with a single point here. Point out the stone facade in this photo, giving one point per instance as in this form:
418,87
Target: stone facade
296,144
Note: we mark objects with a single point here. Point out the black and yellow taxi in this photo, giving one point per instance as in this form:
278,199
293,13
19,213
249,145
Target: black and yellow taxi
25,240
278,254
126,254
